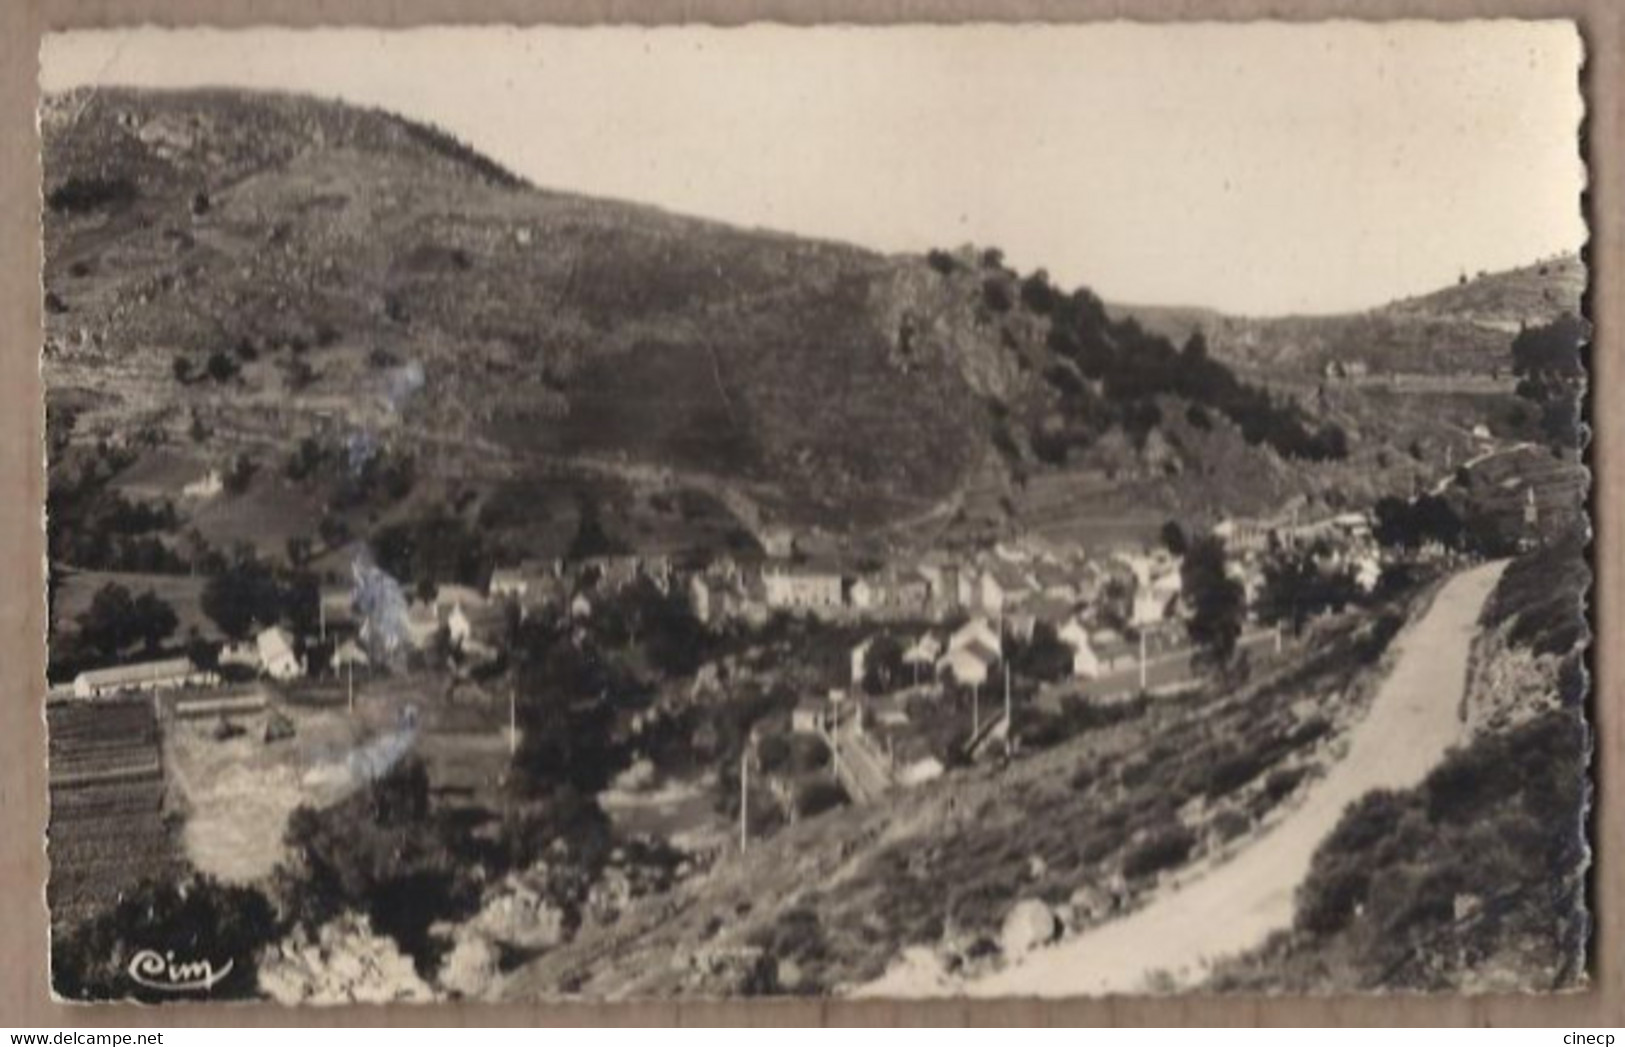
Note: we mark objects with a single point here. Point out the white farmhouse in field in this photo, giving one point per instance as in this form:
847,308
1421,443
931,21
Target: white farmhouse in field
206,486
277,659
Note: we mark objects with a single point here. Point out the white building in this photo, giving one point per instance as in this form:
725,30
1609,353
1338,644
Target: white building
141,677
245,655
977,630
277,658
971,664
205,487
860,658
349,653
803,590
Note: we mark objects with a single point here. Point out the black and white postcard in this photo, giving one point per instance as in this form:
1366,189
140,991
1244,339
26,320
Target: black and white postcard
998,510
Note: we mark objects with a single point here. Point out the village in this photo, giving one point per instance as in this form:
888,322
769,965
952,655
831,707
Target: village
933,652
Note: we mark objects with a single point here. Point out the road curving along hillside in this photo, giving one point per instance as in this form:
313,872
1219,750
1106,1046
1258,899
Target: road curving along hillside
1413,721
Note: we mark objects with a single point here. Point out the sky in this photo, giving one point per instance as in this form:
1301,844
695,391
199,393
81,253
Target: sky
1259,169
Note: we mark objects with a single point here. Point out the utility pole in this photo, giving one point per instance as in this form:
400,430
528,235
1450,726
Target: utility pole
835,741
1007,697
513,719
975,710
1142,659
744,797
321,613
349,678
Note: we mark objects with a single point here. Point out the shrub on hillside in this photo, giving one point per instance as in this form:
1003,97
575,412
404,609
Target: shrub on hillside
195,921
380,852
1164,849
1484,858
82,194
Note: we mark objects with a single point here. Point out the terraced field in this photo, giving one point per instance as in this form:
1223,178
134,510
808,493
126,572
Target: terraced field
107,829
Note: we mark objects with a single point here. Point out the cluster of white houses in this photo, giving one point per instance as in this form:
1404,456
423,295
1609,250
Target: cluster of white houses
1006,591
1006,582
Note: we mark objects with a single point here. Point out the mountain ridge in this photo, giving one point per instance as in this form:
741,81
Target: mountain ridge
1470,320
278,268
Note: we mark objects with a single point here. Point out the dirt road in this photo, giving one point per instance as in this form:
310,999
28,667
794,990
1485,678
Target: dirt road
1412,721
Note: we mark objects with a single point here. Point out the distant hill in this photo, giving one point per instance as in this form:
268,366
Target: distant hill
237,273
1461,329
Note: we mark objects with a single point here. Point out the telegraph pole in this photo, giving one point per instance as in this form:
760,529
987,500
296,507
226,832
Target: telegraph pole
1142,659
513,719
349,678
975,709
745,797
1007,697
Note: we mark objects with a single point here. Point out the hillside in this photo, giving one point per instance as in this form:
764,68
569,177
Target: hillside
239,277
1458,330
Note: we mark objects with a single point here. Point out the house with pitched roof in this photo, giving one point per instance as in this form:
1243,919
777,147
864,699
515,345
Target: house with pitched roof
970,663
277,657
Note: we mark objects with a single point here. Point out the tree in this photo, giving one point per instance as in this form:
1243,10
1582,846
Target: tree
196,920
1173,538
567,694
203,654
1296,589
298,550
590,538
1217,601
882,664
221,367
108,626
381,851
246,594
1551,375
115,621
1044,657
239,475
155,620
1413,524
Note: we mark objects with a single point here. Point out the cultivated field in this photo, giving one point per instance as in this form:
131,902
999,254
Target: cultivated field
109,825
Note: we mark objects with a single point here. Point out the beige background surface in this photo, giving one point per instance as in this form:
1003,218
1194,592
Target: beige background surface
24,999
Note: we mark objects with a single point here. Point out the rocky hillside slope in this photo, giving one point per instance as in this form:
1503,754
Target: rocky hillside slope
1461,329
245,270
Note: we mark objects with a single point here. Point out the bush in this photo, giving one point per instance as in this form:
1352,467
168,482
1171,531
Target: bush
85,193
221,367
1164,849
1328,902
996,295
1281,784
199,920
1228,825
380,853
817,797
